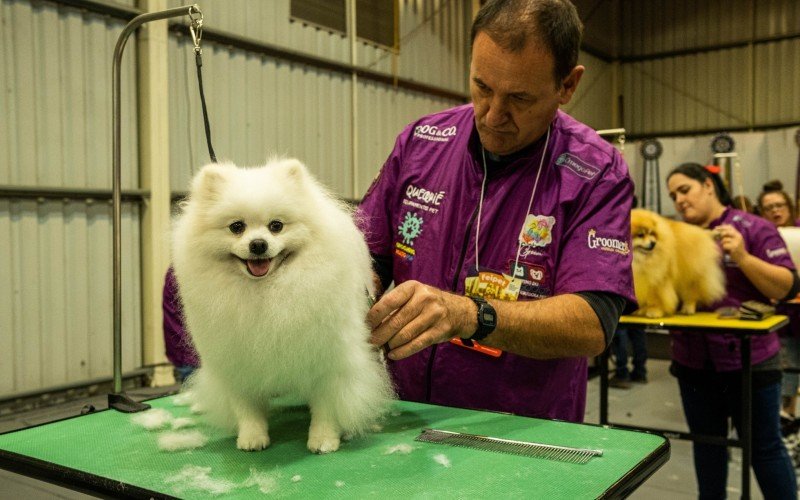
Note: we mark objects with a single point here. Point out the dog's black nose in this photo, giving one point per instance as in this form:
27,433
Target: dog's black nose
258,247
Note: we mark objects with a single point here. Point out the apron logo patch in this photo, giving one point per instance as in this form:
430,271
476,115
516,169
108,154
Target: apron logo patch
537,231
594,241
578,166
411,228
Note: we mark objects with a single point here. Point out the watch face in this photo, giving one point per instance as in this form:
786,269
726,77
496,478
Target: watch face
487,315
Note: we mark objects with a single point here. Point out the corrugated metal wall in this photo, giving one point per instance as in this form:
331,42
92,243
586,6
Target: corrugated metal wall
261,105
55,126
700,91
602,26
55,270
595,99
732,83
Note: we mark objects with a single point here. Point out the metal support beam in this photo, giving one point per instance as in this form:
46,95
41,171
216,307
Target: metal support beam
117,399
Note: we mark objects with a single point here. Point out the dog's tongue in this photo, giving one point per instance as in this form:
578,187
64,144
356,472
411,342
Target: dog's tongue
258,267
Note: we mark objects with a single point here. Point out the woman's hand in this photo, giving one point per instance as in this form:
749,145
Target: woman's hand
731,241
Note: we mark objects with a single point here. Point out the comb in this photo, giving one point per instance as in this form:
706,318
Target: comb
522,448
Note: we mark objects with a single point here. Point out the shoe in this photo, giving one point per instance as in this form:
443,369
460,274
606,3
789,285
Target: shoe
639,379
619,382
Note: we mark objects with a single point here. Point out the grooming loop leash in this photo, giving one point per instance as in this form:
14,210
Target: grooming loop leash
196,30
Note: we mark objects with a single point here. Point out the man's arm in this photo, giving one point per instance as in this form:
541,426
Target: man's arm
414,316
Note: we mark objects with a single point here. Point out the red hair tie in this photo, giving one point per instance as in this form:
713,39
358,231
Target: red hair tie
713,169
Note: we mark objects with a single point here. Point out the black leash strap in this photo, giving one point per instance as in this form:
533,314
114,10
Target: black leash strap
196,29
199,60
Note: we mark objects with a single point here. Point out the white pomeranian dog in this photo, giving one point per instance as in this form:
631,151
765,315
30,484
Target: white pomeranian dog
274,275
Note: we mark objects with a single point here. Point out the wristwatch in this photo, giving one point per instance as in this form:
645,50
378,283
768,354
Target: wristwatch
487,320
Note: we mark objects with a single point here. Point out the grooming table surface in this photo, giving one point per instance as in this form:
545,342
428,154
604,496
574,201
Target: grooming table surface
106,452
707,321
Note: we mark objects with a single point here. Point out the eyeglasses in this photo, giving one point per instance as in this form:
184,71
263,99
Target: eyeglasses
774,206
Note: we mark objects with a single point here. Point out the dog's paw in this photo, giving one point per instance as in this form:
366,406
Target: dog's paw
653,312
253,436
322,444
252,442
688,308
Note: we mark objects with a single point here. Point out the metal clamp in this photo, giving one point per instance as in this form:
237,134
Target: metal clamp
196,26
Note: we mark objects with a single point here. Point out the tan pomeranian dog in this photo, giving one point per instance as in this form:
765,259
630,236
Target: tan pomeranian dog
675,264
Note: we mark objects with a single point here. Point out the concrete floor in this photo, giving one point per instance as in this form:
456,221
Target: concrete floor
656,404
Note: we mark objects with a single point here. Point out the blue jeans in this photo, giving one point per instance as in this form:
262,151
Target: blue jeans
638,342
790,355
707,405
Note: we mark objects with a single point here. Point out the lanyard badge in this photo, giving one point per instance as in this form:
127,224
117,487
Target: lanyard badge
489,285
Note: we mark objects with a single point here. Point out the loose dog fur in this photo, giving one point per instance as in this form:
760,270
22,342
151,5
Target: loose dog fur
674,263
273,275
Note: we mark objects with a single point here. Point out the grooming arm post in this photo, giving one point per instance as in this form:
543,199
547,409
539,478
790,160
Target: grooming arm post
117,399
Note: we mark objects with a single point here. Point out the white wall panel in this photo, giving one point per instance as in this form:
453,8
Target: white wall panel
55,131
55,302
432,36
383,113
56,78
434,42
260,106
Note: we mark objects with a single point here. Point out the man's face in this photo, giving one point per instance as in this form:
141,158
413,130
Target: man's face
515,94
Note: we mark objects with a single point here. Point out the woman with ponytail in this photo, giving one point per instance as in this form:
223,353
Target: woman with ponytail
708,366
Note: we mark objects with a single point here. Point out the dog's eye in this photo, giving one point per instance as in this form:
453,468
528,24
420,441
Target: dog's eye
237,227
275,226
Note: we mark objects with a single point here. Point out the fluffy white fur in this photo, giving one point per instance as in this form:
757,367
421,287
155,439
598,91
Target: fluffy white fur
153,419
402,449
197,478
297,329
442,459
181,440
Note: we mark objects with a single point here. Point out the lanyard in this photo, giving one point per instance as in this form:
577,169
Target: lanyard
530,202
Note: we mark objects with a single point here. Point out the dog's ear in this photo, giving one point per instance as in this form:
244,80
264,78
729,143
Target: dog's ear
208,183
294,170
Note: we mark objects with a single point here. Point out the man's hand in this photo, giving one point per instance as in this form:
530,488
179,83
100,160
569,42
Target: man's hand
414,316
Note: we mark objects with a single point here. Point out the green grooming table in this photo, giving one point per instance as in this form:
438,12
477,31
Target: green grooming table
106,453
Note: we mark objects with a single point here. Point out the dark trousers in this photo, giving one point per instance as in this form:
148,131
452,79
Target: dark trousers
707,405
638,342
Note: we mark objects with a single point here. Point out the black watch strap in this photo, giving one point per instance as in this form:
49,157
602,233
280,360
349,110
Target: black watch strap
487,320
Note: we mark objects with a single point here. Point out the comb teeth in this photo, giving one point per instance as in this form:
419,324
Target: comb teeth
522,448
